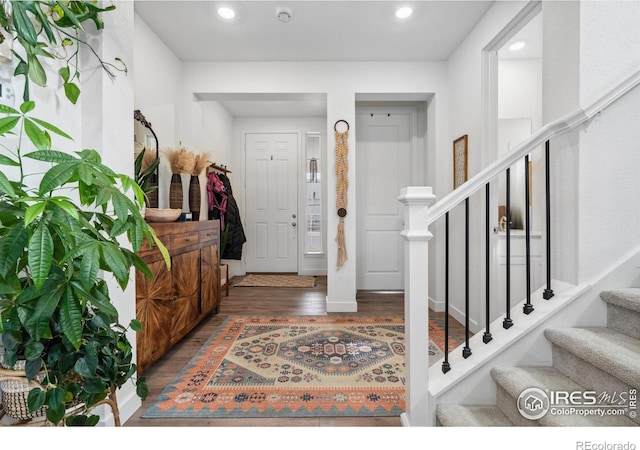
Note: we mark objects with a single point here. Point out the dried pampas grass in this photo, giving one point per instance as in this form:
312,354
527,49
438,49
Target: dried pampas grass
200,164
148,159
180,159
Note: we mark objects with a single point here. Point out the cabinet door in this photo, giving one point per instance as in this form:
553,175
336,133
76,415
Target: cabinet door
185,309
209,279
153,309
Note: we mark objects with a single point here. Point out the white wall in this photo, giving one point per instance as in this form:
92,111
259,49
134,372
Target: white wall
340,82
609,186
102,120
157,75
561,83
107,123
466,111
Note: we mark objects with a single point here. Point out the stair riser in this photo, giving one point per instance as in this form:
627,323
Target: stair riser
509,408
587,375
623,320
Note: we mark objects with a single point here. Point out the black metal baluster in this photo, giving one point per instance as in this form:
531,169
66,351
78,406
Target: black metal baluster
486,337
548,292
508,323
445,364
528,307
466,351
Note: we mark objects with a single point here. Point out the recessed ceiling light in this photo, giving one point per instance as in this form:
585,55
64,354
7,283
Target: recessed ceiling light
283,15
226,13
517,45
404,12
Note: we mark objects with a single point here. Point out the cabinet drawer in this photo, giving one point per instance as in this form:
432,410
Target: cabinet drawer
208,236
183,240
146,247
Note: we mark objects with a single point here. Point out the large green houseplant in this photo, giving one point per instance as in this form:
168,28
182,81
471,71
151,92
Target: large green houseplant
62,234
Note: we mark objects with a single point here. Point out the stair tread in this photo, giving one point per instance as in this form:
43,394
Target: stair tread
514,380
471,416
604,348
628,298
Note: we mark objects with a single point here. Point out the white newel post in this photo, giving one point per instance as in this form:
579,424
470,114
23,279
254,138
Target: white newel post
416,201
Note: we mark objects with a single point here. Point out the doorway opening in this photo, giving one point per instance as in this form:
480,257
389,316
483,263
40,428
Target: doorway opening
391,153
228,123
512,98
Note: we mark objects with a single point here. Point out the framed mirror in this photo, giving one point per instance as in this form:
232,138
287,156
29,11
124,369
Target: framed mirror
145,138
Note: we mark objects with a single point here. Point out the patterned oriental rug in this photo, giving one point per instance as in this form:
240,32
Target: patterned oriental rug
276,280
297,366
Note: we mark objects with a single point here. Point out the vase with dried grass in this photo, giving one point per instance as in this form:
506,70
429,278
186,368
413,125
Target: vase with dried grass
181,162
195,198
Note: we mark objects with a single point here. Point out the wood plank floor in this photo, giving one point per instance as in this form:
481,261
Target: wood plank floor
246,300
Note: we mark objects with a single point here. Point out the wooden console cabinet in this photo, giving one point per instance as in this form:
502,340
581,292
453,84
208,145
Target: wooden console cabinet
176,300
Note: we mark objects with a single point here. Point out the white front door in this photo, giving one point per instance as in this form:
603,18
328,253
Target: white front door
271,202
385,146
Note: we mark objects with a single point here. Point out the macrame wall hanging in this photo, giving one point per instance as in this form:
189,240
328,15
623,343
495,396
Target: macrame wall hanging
342,185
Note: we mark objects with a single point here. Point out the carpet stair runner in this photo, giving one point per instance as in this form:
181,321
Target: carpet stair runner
602,359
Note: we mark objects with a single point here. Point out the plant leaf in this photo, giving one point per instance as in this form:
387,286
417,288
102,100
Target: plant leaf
116,262
55,404
11,248
38,322
5,185
64,72
89,267
37,136
40,254
71,318
72,91
52,156
57,176
33,212
6,161
36,71
35,399
135,325
23,24
8,110
51,128
27,107
86,367
142,389
8,123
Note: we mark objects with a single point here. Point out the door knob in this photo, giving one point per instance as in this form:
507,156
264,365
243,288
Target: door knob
293,224
293,215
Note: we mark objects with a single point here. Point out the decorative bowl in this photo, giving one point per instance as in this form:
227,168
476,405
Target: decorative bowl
162,214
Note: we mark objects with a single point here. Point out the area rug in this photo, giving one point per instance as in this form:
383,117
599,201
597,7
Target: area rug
436,336
296,366
276,280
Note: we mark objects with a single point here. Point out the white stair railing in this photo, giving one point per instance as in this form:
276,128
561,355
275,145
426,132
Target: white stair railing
419,215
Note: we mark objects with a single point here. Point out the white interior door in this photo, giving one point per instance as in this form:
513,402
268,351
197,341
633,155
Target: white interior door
385,150
271,202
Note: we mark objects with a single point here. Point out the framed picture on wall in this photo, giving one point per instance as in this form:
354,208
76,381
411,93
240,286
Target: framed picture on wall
460,146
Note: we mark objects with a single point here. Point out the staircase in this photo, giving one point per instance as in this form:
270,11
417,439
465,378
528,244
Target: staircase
601,359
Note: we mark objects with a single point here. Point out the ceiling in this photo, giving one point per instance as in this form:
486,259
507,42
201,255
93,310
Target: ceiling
318,30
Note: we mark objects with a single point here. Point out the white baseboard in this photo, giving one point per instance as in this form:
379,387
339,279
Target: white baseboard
341,306
435,305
